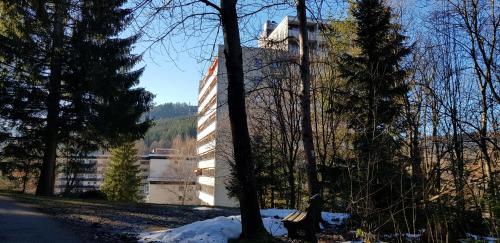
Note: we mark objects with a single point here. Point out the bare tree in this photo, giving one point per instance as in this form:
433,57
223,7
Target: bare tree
179,14
305,96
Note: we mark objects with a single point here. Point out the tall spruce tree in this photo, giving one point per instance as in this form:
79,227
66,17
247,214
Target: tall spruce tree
376,89
122,180
67,76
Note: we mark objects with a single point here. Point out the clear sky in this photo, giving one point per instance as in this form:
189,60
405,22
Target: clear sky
171,81
175,77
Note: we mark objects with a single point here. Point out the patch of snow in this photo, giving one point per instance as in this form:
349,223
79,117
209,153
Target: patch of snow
220,229
206,208
487,239
335,218
332,218
274,226
413,236
409,237
276,212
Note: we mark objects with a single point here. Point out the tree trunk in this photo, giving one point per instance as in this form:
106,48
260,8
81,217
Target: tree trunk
483,133
305,98
271,156
436,144
47,176
458,169
291,182
251,221
416,160
25,181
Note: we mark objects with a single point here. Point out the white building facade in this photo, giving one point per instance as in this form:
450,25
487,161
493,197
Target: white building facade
166,177
278,44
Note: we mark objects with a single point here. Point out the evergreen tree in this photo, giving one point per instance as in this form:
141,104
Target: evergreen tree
122,180
376,90
67,77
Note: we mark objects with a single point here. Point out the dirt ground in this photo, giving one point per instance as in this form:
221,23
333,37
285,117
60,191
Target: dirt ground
102,221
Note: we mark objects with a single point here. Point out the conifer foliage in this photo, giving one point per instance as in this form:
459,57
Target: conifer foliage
122,180
376,90
67,77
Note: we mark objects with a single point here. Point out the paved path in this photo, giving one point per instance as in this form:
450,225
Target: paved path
20,223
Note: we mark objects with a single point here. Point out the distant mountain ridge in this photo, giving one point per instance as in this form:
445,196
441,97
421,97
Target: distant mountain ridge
171,110
171,120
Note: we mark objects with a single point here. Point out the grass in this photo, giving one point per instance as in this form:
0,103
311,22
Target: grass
54,200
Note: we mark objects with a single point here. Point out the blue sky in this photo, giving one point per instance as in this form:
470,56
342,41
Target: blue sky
175,77
171,81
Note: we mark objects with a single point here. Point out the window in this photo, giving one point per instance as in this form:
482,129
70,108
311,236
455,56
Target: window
207,189
258,62
207,172
293,27
256,80
275,64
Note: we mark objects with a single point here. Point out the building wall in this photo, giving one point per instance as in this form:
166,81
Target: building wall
285,35
94,177
206,142
173,193
92,180
172,180
165,178
277,46
214,139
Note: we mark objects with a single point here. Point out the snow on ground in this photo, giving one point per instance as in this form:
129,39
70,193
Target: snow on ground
332,218
487,239
206,208
409,237
220,229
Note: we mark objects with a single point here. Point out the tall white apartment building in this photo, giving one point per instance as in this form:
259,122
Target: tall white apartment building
278,41
206,131
285,34
214,142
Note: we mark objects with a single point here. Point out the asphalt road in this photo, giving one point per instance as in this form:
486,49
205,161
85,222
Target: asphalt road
20,223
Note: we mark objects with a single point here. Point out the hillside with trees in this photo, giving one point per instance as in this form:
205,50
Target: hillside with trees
171,110
171,120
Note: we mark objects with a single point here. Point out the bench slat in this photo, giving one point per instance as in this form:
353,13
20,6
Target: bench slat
292,216
305,221
300,217
296,216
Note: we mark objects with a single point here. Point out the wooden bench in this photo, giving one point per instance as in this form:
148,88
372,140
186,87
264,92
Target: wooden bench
307,221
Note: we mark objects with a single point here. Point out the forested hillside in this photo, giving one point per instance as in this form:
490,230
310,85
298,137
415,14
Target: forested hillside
171,120
171,110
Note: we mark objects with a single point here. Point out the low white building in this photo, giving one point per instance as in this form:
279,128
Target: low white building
172,179
166,177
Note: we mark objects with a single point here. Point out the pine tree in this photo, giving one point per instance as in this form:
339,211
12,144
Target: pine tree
68,78
122,180
376,90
